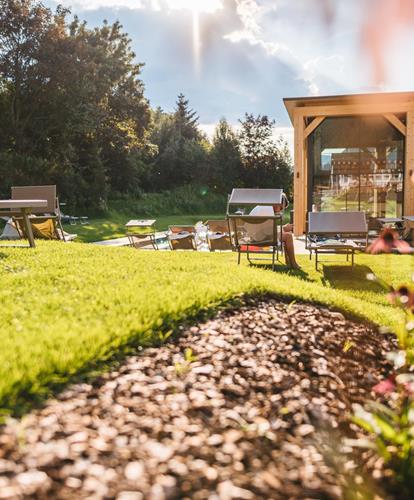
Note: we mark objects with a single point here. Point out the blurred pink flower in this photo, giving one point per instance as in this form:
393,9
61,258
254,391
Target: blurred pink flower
385,386
403,296
388,241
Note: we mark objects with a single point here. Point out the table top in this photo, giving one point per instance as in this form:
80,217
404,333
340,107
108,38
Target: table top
410,218
390,220
140,223
23,203
333,244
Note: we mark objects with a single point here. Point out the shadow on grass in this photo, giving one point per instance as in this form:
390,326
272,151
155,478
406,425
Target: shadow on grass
280,267
351,278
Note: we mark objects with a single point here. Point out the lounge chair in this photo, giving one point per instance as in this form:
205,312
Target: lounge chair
218,235
255,218
336,233
142,241
46,222
182,237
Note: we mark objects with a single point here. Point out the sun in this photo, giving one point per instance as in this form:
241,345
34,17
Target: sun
199,6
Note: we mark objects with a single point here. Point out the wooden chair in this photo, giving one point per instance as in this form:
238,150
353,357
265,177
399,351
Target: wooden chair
182,237
218,235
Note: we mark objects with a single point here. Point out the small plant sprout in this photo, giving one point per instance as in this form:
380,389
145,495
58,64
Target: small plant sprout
181,368
164,336
189,356
291,305
348,345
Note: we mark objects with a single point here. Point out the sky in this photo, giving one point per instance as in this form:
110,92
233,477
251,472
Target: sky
229,57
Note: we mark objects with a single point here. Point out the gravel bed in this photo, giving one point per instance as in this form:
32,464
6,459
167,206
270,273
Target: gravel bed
234,409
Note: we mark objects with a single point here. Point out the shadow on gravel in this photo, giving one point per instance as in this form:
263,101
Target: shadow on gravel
351,278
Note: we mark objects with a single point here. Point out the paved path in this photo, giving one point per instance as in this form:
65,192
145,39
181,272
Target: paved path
122,242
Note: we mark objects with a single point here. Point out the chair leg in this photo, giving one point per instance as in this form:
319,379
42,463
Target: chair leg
353,258
273,259
238,258
316,259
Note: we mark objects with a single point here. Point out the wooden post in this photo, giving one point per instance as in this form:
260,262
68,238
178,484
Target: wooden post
299,184
409,166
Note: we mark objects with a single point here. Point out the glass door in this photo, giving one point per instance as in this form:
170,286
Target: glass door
356,164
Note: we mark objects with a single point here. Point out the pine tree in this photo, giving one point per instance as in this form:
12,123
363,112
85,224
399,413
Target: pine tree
186,120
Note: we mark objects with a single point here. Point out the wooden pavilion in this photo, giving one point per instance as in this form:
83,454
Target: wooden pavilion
353,152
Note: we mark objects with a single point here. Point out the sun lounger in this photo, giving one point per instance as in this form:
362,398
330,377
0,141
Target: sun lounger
142,241
46,222
336,233
182,237
218,235
255,218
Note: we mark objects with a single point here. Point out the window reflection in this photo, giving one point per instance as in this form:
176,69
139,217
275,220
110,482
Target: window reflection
357,164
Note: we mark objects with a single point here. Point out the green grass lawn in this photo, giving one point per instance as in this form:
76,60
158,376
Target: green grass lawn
113,225
66,308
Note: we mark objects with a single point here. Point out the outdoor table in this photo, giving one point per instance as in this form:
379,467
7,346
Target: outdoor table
142,223
395,222
22,208
331,246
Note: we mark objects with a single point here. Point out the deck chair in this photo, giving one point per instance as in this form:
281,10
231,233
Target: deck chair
218,235
255,235
255,218
46,222
142,241
182,237
336,233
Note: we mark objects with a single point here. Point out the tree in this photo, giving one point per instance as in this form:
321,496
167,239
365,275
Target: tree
182,149
265,161
74,102
186,120
225,158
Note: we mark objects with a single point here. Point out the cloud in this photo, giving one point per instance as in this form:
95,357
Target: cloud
208,6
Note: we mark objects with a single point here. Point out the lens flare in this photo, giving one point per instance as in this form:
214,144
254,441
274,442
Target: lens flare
197,7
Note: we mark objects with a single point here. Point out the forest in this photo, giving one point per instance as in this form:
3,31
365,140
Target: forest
73,112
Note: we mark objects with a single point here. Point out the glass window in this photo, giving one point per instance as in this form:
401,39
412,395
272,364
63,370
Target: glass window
356,163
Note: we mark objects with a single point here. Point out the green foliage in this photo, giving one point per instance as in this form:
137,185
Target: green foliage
72,103
183,151
225,158
189,199
390,426
66,308
265,161
392,432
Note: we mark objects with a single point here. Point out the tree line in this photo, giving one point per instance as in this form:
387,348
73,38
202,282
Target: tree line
73,112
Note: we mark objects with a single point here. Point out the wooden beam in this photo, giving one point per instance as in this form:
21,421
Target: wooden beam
396,122
354,109
409,166
313,125
299,176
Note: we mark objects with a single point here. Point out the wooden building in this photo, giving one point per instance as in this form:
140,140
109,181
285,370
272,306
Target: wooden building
353,152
